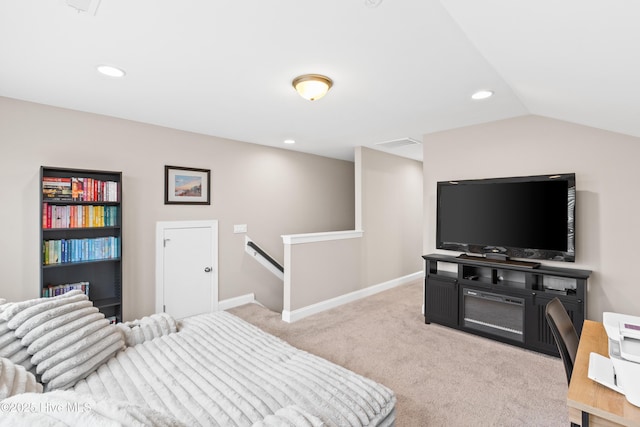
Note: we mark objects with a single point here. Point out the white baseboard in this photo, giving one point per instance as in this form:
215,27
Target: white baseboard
295,315
236,301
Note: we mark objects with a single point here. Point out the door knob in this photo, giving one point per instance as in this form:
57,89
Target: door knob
207,269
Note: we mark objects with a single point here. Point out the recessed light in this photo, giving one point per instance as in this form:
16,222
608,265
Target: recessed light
482,94
111,71
289,141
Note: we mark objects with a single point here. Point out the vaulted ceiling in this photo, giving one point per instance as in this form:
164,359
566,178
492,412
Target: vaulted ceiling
401,68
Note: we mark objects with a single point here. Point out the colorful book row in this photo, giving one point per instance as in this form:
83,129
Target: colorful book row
79,189
78,250
52,291
78,216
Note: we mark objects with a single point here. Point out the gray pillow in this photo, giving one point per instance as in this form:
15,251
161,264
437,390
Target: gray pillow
15,379
67,337
10,346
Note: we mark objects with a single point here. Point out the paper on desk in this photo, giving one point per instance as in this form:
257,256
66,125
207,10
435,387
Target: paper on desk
617,374
601,371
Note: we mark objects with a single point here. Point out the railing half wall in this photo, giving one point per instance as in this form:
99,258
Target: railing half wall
324,270
319,267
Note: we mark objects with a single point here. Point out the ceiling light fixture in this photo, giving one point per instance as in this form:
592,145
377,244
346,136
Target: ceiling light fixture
312,86
482,94
111,71
289,141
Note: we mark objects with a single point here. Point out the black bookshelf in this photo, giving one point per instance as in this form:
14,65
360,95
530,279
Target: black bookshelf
81,235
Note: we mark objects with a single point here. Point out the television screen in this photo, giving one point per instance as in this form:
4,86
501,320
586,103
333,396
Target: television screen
520,217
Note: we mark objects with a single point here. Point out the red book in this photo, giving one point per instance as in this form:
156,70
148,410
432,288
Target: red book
46,215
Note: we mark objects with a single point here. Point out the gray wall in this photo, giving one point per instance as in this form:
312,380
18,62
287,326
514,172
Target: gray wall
273,191
389,211
607,173
389,214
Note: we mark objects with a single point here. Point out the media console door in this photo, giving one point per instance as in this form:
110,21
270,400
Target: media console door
501,301
537,332
441,301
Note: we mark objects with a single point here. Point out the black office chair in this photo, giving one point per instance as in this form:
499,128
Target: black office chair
566,337
564,334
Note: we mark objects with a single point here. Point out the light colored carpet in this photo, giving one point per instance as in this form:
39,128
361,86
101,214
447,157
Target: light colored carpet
441,376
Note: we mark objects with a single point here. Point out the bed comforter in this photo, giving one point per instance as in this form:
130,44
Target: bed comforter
219,370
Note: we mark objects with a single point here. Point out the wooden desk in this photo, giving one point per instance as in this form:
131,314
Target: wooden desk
601,405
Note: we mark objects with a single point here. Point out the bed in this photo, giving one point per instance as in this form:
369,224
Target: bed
213,369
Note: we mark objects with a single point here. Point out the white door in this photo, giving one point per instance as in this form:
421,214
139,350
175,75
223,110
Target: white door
187,268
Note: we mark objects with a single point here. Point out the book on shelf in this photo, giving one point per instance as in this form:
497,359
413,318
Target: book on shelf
56,188
55,290
79,189
64,251
78,216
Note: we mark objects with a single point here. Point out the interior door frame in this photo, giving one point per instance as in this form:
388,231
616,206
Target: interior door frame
161,226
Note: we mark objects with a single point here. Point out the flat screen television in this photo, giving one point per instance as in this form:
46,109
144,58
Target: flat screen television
517,217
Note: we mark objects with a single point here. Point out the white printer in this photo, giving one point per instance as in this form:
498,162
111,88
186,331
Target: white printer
621,370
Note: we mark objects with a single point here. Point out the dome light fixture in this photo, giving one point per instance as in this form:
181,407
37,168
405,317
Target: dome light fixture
111,71
482,94
312,86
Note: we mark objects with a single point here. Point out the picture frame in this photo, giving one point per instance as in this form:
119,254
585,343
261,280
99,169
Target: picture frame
187,186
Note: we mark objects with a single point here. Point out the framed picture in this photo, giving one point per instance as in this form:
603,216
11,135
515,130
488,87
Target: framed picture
186,186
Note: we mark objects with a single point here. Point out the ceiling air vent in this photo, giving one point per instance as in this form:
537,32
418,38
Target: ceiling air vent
89,6
397,143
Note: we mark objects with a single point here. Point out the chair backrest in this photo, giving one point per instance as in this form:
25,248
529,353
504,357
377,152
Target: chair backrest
564,333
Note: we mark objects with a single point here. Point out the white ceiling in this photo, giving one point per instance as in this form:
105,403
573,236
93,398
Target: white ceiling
401,70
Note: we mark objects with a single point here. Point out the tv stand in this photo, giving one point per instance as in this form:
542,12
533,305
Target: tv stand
500,259
503,300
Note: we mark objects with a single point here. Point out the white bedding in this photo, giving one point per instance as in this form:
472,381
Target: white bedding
64,408
221,370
